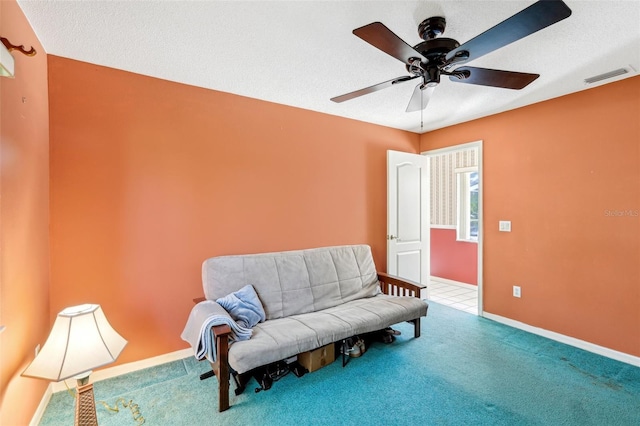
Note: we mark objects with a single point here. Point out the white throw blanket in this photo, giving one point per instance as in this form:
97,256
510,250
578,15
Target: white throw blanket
198,331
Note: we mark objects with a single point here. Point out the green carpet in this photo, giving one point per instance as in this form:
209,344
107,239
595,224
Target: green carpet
464,370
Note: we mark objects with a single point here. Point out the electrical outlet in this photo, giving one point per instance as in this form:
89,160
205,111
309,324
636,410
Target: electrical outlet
516,291
37,349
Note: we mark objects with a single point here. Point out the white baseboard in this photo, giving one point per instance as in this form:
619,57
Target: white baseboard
452,282
119,370
571,341
108,373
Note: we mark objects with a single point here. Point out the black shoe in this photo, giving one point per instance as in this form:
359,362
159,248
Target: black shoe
392,331
387,338
298,369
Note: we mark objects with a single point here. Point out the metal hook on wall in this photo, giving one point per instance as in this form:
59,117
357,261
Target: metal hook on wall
10,46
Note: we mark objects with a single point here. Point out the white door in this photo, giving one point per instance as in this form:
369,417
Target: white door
408,227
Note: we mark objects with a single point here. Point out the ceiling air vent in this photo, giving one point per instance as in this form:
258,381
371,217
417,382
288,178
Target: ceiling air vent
606,75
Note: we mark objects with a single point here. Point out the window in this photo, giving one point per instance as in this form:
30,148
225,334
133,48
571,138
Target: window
467,223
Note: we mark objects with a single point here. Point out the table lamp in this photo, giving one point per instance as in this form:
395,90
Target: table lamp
81,339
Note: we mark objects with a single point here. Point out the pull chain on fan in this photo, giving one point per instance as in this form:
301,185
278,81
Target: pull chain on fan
421,114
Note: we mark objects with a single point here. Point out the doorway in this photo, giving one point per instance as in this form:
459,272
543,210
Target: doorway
456,226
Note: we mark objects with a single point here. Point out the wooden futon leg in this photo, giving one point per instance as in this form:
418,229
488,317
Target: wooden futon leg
397,286
416,327
221,367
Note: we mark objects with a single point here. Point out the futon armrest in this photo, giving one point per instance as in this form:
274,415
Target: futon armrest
221,330
218,330
220,368
396,286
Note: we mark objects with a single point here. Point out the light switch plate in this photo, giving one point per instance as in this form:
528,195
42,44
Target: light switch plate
504,226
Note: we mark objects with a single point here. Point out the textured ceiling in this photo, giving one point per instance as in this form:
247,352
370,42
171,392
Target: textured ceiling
302,53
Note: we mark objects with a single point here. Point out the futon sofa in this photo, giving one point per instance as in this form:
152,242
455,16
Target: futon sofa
310,298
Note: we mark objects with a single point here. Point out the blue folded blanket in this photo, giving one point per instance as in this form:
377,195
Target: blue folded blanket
240,311
244,306
197,332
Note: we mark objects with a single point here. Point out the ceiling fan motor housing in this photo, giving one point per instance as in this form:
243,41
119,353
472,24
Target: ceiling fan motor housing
435,51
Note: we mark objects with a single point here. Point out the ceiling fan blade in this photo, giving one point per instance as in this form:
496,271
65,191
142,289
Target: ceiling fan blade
384,39
372,89
526,22
420,98
495,78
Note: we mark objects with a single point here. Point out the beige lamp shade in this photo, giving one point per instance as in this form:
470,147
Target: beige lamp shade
81,339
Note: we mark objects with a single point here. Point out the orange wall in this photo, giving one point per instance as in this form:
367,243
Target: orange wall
24,219
149,178
558,170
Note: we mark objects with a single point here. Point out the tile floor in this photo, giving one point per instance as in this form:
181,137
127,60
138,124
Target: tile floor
459,297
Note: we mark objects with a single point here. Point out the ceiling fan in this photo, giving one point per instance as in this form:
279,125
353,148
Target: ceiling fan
436,56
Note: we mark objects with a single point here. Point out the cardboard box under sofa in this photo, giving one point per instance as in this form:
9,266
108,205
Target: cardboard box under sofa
317,358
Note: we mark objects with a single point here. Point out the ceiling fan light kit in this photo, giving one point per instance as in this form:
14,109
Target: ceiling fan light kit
436,56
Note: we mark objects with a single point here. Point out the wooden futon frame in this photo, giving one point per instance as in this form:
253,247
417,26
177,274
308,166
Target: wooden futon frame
390,285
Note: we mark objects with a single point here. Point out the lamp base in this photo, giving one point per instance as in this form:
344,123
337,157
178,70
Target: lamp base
85,406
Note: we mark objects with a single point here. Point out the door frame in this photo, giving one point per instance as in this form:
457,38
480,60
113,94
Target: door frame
460,147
